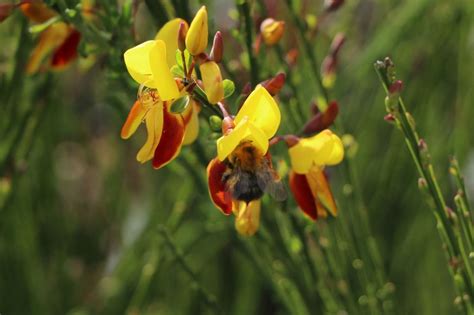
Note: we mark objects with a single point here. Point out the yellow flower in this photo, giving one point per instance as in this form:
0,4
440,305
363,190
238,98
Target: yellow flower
308,182
257,121
196,38
147,64
57,44
242,171
325,148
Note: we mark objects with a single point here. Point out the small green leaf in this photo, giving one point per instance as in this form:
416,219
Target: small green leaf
179,105
179,59
229,88
41,27
177,71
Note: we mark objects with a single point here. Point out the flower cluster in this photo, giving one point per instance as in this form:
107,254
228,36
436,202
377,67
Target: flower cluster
165,69
170,96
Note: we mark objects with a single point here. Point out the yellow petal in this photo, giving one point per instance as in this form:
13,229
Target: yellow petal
154,127
196,38
167,88
244,131
138,64
147,65
212,81
192,127
169,34
337,152
49,40
301,156
134,119
321,190
325,148
272,31
328,148
262,110
247,218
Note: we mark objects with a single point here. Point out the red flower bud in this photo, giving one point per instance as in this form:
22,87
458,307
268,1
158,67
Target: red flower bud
396,87
275,84
182,36
332,5
337,43
291,140
322,120
389,118
6,10
292,57
217,48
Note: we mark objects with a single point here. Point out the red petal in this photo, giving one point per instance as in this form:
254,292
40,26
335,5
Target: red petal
301,191
67,51
171,138
220,197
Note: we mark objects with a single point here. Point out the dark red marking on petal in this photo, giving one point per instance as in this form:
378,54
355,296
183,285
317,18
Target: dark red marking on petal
217,190
302,192
67,52
171,138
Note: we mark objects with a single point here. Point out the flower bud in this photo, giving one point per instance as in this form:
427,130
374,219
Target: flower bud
196,38
391,104
212,81
390,118
396,88
424,153
275,84
292,57
422,184
217,49
337,43
332,5
215,122
182,30
322,120
272,31
247,218
5,10
291,140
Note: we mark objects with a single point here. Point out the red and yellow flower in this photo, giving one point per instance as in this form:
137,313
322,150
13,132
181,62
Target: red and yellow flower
242,171
308,181
57,44
150,64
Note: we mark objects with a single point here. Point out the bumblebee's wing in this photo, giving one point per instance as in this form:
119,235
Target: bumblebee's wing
269,181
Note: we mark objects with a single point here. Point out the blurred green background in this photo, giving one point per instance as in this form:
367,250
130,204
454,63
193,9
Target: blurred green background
85,229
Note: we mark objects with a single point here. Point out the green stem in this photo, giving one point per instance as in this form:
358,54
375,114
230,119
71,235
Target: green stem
210,299
244,10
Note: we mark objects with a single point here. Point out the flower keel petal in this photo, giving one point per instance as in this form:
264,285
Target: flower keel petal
217,190
171,139
302,192
154,126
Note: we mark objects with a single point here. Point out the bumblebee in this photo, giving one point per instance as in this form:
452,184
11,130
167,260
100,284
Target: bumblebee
250,174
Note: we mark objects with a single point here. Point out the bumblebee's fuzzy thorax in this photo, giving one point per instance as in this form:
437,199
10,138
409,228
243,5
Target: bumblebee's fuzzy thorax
249,174
246,156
